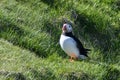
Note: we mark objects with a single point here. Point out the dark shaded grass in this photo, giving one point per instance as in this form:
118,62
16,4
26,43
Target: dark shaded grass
16,35
112,74
43,74
116,5
47,73
49,2
76,76
100,38
13,75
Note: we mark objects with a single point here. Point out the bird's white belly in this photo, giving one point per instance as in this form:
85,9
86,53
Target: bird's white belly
69,45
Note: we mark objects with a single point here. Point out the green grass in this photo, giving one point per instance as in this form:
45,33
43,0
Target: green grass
30,31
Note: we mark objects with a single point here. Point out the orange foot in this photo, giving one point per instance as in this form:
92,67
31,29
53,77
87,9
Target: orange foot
71,60
72,57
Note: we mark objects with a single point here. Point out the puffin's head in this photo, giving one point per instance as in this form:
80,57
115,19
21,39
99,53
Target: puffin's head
67,27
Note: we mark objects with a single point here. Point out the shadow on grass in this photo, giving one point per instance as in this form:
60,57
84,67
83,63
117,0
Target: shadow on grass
112,74
54,3
116,5
16,35
76,76
43,74
49,2
13,75
88,26
48,74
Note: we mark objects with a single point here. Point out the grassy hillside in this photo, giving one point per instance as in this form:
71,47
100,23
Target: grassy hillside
29,39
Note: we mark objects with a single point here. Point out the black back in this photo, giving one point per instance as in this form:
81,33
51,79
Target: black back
79,45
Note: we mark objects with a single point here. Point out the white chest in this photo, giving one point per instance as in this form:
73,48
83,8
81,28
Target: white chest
68,45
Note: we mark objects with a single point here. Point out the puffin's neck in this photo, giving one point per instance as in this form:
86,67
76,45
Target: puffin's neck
70,34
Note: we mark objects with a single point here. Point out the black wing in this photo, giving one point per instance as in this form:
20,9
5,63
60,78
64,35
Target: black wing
82,50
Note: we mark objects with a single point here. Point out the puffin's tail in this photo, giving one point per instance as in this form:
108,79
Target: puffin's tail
86,52
87,49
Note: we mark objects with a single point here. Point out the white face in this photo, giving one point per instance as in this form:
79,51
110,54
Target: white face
67,28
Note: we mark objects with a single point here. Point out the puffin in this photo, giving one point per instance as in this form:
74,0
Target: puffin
71,45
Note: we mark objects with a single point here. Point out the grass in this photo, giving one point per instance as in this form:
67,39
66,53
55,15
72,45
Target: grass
30,31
